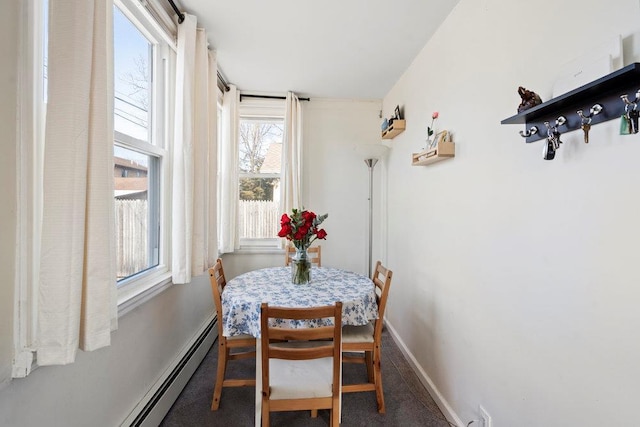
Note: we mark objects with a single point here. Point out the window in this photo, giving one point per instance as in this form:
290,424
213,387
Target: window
260,140
139,151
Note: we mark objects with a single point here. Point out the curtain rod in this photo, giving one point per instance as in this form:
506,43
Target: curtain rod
268,97
180,14
222,82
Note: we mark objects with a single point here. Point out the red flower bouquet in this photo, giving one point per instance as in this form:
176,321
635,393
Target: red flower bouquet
301,228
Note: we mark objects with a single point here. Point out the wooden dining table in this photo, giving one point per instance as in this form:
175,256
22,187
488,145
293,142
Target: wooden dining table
244,294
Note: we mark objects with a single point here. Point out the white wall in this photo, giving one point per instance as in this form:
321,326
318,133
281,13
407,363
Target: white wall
516,279
336,178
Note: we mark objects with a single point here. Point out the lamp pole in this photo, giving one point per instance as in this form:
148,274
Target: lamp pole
371,163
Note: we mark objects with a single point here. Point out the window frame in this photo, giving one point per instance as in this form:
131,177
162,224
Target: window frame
264,110
144,285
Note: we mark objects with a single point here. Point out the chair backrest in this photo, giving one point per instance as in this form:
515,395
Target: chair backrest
218,282
315,255
382,280
325,341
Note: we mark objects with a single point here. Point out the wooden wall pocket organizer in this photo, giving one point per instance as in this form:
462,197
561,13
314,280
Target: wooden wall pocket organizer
396,128
442,151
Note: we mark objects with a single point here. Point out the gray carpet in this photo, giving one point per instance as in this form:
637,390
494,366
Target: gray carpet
407,402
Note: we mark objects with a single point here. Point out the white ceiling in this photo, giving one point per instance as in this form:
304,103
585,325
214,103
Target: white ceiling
331,49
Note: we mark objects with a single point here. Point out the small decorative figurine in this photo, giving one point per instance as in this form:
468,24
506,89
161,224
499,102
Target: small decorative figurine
529,99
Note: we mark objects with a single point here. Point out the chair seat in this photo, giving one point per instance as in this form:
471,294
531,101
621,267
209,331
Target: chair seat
300,379
353,334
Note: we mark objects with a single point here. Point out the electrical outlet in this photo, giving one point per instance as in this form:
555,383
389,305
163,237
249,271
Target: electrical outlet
485,418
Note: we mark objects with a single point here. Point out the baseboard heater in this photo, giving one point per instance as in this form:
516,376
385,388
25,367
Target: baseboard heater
154,407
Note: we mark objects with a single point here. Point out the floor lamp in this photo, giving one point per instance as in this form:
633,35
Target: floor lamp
371,163
373,153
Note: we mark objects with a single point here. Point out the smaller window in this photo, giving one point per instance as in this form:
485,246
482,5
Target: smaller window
259,180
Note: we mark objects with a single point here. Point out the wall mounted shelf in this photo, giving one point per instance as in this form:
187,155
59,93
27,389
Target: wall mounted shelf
442,151
396,128
605,91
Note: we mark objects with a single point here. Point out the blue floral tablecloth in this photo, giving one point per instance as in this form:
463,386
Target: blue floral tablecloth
243,295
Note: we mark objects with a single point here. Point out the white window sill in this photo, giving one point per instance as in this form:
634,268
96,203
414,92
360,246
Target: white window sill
133,294
248,250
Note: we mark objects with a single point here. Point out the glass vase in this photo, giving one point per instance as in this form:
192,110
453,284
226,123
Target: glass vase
300,268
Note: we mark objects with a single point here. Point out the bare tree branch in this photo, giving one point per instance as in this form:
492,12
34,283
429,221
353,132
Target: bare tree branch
138,82
253,144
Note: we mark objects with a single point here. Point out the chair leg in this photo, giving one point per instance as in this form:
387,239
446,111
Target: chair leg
223,352
378,379
335,413
368,359
265,413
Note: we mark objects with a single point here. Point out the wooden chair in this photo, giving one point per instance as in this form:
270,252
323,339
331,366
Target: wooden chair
301,367
368,339
315,255
226,344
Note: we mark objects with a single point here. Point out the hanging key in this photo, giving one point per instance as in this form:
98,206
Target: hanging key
585,128
632,115
556,138
585,121
549,150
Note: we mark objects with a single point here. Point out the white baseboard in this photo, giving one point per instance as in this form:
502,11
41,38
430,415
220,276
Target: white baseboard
151,410
442,403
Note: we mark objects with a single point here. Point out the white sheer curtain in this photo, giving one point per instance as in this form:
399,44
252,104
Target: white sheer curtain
77,292
229,171
194,236
292,153
205,237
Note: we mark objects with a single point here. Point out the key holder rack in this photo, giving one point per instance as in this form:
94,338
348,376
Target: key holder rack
605,99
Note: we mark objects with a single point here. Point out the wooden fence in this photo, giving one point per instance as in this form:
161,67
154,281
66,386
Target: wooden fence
131,237
259,219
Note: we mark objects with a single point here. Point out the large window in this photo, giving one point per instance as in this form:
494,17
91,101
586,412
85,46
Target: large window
139,152
259,180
